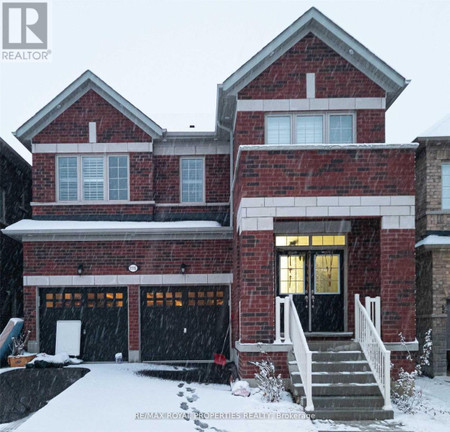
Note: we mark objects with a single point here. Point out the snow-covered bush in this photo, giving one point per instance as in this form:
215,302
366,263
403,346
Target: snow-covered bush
404,393
270,384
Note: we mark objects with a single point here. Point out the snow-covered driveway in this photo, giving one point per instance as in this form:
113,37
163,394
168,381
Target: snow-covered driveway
113,398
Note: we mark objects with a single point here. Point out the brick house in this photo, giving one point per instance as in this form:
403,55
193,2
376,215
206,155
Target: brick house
433,236
15,196
174,246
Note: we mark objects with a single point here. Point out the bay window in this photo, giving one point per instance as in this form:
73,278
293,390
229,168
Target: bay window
92,178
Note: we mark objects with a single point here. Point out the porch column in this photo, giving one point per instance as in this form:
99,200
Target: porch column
257,287
397,274
134,348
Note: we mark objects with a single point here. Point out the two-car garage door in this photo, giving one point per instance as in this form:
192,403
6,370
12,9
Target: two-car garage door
177,322
184,322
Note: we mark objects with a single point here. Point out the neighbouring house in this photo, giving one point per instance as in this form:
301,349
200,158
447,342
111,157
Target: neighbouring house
15,197
433,242
248,241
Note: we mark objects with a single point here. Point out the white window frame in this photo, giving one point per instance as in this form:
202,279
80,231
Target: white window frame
80,179
203,159
442,185
325,123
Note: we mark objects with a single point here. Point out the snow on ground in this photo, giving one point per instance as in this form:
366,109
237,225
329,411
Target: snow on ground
113,398
435,415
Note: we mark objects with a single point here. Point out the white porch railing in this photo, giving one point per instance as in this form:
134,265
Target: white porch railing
373,308
378,357
293,333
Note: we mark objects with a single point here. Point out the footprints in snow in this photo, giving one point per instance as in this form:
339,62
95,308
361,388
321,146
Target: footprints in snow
200,426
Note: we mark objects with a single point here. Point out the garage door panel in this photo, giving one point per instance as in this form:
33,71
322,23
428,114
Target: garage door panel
103,314
184,323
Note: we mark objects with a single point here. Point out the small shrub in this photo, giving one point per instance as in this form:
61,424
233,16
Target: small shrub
270,384
404,393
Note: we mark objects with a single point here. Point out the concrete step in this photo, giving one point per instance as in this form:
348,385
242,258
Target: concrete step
353,414
343,377
340,389
337,356
333,345
349,402
341,366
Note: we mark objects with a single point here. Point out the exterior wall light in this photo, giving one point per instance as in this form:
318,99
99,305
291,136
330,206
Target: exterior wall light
183,268
80,269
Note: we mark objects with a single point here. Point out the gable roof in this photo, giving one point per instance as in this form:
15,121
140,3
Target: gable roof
314,21
440,129
85,82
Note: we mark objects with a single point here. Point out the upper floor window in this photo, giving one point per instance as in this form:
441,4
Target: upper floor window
310,128
446,186
93,178
192,180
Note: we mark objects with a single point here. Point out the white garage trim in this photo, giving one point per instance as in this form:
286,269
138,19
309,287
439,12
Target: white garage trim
257,214
115,280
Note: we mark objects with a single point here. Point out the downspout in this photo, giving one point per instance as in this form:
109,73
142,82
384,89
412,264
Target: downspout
230,131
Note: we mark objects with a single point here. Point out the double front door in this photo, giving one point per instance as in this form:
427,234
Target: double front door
316,281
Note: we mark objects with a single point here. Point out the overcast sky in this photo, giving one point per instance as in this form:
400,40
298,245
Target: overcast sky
167,57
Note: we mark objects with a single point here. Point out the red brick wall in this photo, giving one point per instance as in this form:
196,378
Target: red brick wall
72,126
217,174
286,77
363,263
398,284
370,126
114,257
44,177
133,317
29,310
141,177
257,286
324,173
247,370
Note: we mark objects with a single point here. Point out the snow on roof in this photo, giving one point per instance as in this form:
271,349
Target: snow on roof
30,226
438,130
434,240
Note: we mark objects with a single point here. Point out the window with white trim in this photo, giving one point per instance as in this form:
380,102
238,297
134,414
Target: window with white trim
278,129
445,186
314,128
68,178
93,178
118,178
192,180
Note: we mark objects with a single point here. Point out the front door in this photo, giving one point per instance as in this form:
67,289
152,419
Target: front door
315,279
